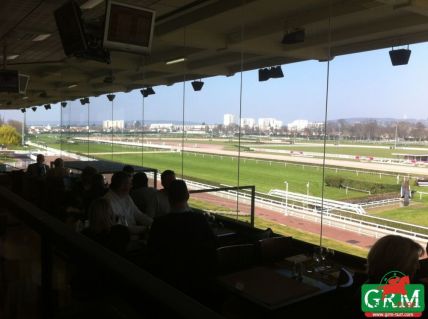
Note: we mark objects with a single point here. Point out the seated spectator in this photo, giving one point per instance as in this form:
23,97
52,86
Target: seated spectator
38,169
143,196
128,169
58,170
186,241
163,207
389,253
393,252
178,196
103,227
123,207
98,189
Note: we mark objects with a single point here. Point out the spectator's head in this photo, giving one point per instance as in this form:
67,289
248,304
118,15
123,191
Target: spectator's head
140,180
40,159
393,252
167,177
178,194
128,169
101,216
59,163
98,181
121,183
87,173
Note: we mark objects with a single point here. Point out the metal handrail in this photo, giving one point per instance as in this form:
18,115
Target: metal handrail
252,188
55,232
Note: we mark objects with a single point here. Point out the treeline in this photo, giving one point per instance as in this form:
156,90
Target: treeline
9,132
374,130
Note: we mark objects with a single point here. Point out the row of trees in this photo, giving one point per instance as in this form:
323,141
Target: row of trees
9,132
374,130
366,129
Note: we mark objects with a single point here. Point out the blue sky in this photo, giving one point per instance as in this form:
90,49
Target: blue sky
361,85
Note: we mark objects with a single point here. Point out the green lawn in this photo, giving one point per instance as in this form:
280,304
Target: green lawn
363,151
310,237
416,213
266,175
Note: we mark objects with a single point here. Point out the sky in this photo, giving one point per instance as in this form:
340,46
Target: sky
360,85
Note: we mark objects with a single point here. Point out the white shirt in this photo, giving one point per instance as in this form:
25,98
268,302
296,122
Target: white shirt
127,212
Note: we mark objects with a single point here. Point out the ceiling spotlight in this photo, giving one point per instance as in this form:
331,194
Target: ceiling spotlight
111,97
84,100
294,36
34,108
276,72
263,74
63,104
47,106
144,92
197,85
23,110
400,56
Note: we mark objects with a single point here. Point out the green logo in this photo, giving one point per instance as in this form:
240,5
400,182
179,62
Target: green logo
395,296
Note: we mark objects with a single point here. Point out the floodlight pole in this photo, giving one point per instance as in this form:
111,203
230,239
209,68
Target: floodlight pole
286,197
23,129
396,131
307,193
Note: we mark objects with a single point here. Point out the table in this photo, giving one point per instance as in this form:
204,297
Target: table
273,287
108,167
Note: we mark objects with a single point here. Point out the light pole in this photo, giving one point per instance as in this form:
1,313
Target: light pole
307,193
396,131
286,197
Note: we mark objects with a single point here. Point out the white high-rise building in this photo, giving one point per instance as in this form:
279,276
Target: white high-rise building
269,123
228,119
247,121
113,125
298,125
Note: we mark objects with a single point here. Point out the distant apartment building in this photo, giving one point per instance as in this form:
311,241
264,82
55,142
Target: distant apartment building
113,125
248,122
298,125
161,127
301,125
228,119
268,123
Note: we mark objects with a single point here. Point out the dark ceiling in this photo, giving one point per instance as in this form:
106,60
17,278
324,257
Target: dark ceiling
217,37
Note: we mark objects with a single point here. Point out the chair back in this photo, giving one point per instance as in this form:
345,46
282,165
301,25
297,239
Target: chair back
235,257
274,249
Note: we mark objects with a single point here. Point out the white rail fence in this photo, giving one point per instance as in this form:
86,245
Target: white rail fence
331,217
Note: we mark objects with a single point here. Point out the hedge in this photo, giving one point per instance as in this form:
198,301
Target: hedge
374,188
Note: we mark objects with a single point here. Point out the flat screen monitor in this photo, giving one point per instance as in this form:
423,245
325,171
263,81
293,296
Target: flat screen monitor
128,28
9,81
70,26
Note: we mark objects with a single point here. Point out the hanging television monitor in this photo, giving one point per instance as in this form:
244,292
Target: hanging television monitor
70,26
128,28
9,81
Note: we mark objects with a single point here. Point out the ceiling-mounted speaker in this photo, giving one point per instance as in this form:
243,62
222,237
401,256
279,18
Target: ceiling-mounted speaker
400,56
197,85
